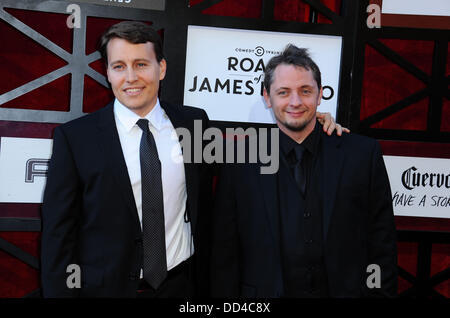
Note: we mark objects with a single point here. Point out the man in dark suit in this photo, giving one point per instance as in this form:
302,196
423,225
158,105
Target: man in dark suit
134,227
322,225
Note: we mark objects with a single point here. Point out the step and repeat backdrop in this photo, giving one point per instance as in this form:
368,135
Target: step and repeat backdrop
216,53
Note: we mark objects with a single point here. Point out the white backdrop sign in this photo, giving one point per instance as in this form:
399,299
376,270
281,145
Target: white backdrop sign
417,7
420,186
224,70
23,167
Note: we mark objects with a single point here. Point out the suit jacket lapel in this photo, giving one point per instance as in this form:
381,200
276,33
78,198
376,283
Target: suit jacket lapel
332,160
109,142
179,121
269,187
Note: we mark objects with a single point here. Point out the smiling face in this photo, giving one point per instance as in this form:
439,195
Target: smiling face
294,97
134,74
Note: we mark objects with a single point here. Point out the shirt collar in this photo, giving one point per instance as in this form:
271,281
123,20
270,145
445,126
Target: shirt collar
286,143
310,143
128,118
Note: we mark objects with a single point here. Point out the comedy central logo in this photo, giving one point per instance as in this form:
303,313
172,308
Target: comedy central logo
258,51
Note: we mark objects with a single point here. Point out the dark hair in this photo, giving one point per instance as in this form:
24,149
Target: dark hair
294,56
134,32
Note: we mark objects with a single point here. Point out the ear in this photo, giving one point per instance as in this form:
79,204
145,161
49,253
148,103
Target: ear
162,69
107,72
320,96
267,98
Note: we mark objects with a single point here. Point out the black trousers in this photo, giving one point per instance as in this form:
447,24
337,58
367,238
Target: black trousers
179,283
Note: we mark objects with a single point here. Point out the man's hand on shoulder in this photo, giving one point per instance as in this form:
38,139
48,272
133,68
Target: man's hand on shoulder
329,125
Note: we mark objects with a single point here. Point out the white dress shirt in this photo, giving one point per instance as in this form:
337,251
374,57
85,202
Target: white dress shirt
179,245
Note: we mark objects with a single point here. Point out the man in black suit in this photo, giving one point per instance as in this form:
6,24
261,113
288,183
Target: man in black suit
322,225
96,203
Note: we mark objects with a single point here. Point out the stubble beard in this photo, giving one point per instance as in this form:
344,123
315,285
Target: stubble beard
296,127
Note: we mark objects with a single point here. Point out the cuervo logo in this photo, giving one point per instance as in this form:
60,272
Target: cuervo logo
412,178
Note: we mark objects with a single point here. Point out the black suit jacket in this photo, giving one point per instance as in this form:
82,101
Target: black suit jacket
89,215
358,224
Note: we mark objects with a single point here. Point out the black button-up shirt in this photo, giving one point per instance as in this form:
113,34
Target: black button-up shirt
311,145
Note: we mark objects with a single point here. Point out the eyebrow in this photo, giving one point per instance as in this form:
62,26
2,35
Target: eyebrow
134,61
304,86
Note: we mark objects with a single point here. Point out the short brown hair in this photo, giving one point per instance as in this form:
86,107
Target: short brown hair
292,55
134,32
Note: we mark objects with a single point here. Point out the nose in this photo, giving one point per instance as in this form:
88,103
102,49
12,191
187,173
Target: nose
131,75
295,99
